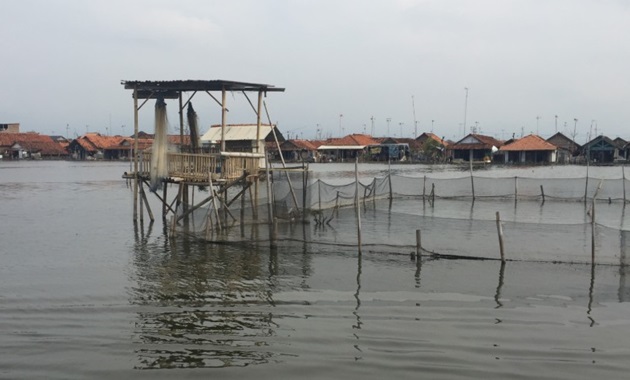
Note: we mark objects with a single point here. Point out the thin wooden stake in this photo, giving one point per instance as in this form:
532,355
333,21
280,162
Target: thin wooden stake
542,193
500,233
356,201
623,179
418,244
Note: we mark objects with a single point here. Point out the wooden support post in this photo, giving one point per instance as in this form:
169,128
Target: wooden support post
141,205
214,201
515,189
500,233
424,187
304,190
174,220
599,186
389,180
270,214
433,194
418,244
542,193
374,190
164,191
135,154
146,203
243,192
356,201
319,194
623,179
472,180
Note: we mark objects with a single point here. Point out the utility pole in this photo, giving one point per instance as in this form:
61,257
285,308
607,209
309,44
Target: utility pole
556,123
537,120
388,120
465,109
415,122
372,130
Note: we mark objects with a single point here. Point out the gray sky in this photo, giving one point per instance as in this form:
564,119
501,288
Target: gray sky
523,62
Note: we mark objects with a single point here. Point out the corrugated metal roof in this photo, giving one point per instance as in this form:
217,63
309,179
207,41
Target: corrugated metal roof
236,132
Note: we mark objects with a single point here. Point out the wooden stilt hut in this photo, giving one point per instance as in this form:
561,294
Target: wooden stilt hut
219,171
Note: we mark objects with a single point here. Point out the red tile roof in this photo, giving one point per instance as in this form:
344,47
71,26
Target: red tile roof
528,143
33,142
353,140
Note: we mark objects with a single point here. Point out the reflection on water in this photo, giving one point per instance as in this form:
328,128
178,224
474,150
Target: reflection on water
205,306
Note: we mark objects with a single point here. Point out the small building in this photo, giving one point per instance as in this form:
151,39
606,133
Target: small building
431,147
15,146
568,149
474,147
299,150
345,148
10,128
392,149
531,149
240,137
94,146
602,150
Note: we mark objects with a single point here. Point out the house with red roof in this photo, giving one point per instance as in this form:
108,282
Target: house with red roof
474,147
531,149
345,148
15,146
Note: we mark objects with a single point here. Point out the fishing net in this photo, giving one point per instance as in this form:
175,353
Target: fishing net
536,226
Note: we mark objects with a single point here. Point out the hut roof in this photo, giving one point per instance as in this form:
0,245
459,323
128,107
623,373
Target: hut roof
172,89
528,143
33,142
237,132
476,141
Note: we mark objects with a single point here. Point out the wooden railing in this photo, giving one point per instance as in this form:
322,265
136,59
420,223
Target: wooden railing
197,166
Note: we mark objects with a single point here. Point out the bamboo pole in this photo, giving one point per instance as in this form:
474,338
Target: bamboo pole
515,189
284,164
500,233
418,244
542,193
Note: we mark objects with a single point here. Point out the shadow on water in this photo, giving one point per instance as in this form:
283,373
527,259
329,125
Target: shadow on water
205,306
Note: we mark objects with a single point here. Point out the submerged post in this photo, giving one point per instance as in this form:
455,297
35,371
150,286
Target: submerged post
418,244
472,180
542,193
356,201
623,179
389,177
500,233
515,189
135,153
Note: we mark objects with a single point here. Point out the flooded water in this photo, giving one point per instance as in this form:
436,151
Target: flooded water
85,293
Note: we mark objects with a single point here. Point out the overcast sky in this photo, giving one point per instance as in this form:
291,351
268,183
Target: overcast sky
522,61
